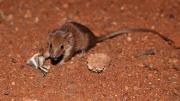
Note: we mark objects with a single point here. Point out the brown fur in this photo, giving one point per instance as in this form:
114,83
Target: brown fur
73,37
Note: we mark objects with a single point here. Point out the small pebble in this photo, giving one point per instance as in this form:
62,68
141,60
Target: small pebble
31,77
18,56
16,29
114,23
162,15
122,8
9,17
129,38
126,88
153,27
36,20
13,83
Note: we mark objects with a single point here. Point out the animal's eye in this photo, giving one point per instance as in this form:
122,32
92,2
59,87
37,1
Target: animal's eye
62,46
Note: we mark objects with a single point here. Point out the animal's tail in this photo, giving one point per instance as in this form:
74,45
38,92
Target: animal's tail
125,31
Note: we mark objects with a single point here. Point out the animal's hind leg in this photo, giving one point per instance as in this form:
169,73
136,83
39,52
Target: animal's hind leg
82,52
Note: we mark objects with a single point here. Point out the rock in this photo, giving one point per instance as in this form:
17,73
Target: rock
13,83
36,20
98,62
129,38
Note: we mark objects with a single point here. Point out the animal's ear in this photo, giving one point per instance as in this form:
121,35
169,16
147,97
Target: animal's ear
50,34
69,35
53,32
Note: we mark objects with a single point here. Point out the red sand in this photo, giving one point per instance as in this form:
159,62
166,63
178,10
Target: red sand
24,26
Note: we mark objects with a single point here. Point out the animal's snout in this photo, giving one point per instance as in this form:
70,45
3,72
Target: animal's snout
54,56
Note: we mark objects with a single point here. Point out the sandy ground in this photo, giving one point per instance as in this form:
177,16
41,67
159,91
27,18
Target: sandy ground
24,27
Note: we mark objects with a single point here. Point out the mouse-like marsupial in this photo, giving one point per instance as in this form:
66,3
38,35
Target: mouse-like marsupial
73,37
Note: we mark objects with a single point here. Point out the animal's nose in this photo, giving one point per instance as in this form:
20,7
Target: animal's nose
53,56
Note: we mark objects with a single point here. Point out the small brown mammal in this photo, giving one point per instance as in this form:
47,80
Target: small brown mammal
73,37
